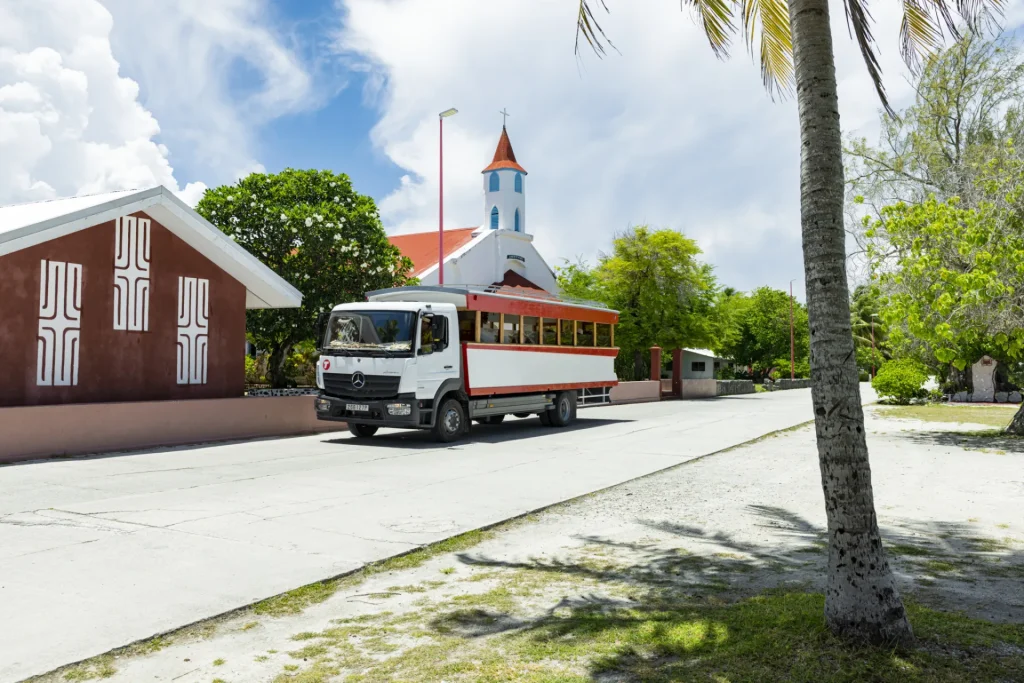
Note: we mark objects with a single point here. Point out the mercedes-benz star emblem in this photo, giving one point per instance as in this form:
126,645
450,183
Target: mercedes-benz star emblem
358,380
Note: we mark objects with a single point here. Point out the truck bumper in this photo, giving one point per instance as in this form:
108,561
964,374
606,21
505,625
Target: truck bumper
379,412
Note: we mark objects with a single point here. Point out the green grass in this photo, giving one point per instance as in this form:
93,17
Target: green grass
772,637
218,662
294,601
994,416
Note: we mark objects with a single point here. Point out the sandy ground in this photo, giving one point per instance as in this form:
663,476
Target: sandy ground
735,523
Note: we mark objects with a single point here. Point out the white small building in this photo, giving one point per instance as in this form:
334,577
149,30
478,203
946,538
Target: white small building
498,251
700,363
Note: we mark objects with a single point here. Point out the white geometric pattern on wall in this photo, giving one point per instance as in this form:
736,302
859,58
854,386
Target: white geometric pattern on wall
193,329
60,323
131,274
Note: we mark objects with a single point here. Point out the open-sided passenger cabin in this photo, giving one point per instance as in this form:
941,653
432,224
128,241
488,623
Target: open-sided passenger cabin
558,344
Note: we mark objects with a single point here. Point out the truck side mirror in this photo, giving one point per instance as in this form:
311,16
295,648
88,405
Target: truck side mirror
439,330
428,343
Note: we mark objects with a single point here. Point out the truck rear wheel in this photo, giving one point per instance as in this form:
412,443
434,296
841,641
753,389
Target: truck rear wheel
564,410
450,422
362,431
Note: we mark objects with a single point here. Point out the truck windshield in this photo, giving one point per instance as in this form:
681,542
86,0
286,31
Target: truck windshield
371,330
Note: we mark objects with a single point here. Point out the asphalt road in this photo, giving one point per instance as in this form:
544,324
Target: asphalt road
103,551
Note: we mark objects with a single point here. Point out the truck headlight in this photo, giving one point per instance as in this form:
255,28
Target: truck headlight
323,405
399,409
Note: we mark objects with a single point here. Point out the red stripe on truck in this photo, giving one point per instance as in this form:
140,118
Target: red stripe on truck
538,388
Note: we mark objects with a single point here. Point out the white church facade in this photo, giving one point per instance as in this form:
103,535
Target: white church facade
498,251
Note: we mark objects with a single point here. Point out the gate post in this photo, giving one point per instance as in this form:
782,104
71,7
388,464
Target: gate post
677,373
656,363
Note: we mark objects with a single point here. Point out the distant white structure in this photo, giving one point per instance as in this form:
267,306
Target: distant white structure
499,250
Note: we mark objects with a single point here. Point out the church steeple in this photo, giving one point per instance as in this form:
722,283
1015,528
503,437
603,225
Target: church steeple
504,189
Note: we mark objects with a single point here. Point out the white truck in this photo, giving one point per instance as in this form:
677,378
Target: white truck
439,357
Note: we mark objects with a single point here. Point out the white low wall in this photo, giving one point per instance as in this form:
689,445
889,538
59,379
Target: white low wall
700,388
636,392
76,429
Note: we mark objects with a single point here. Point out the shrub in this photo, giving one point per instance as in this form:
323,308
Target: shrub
255,370
901,380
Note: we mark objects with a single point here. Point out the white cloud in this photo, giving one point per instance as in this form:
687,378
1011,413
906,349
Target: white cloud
71,122
662,133
215,71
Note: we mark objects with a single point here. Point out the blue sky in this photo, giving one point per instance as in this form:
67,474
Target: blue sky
113,94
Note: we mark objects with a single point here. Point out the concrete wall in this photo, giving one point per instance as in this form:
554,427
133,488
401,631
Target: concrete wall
64,338
700,388
791,384
636,392
733,387
45,431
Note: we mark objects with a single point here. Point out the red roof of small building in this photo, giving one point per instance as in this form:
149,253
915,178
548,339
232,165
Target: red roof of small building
504,157
421,247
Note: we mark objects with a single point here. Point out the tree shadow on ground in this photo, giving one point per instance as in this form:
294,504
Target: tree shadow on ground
987,441
686,603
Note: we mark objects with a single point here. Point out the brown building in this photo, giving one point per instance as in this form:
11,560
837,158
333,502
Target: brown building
126,296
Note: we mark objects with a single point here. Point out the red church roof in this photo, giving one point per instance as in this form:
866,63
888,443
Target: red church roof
504,157
421,247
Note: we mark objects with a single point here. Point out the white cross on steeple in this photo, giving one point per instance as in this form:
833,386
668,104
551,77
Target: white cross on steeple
504,115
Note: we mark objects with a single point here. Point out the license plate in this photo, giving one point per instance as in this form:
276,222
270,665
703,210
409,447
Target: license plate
357,407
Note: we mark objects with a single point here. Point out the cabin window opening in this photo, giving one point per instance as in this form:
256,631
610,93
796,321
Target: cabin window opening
550,332
510,325
531,329
584,333
568,332
490,328
467,326
604,335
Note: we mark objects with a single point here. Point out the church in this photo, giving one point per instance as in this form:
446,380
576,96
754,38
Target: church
497,252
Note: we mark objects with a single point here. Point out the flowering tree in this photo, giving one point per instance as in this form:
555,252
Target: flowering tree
313,230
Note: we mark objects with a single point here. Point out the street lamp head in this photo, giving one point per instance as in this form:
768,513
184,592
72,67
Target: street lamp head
448,112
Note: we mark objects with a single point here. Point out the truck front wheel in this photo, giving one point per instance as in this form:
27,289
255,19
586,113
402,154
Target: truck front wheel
564,410
451,421
362,431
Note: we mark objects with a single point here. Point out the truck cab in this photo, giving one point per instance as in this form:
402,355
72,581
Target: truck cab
386,364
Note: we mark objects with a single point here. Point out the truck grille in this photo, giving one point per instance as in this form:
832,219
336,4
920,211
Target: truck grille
376,386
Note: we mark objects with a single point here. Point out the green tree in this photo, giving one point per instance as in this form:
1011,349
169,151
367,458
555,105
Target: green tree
795,46
955,277
870,332
731,306
311,228
664,294
967,112
763,332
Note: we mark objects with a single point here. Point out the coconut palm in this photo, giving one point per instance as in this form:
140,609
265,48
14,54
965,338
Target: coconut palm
794,40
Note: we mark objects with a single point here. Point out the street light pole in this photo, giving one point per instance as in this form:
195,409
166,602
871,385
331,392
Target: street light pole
440,193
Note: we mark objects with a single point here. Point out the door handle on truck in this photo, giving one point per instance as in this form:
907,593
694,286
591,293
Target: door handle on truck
447,367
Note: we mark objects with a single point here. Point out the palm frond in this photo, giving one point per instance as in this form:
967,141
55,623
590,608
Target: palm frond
920,35
858,21
921,30
588,26
772,18
715,17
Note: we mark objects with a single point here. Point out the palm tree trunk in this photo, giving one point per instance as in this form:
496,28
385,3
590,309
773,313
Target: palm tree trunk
861,599
1016,425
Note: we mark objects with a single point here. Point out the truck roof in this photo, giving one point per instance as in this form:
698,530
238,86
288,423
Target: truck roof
376,305
499,299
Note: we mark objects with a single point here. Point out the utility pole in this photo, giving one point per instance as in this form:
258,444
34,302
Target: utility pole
440,193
